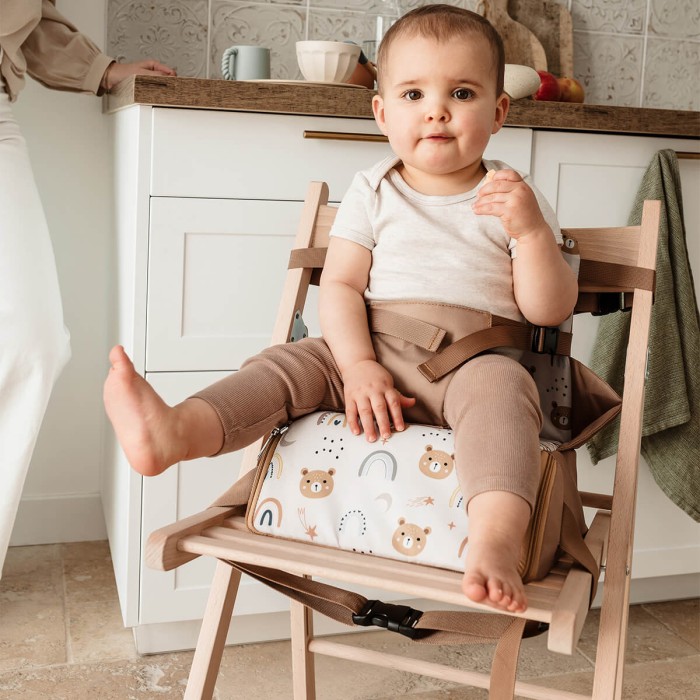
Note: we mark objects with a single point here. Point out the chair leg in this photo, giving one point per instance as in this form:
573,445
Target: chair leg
212,636
612,634
303,671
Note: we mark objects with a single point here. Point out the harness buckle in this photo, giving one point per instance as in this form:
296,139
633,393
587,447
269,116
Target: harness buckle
388,616
609,303
545,339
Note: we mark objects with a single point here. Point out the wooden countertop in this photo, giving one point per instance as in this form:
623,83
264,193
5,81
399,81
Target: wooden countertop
333,101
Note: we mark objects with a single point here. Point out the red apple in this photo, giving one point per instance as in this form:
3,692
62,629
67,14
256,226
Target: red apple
549,90
571,90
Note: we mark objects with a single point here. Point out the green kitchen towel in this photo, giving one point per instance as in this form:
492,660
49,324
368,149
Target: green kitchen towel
671,425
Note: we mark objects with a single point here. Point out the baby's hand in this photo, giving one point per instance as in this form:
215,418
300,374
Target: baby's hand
507,196
370,394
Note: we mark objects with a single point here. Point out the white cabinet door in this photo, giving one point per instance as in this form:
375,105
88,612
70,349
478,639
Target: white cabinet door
592,180
513,146
215,275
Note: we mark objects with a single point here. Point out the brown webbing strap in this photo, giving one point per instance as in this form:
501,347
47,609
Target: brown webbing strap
497,336
617,275
307,257
571,542
434,627
425,335
505,661
590,302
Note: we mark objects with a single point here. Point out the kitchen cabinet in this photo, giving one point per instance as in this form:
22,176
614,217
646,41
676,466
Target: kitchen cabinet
207,203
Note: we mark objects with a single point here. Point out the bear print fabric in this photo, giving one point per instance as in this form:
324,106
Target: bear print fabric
397,498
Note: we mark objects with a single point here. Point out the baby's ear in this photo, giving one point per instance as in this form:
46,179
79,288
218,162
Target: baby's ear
378,111
502,106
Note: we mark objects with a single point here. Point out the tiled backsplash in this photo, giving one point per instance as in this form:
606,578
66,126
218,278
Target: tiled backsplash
626,52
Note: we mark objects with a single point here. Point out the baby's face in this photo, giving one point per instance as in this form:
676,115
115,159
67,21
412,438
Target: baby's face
439,108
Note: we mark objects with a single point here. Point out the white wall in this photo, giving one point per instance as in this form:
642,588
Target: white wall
70,148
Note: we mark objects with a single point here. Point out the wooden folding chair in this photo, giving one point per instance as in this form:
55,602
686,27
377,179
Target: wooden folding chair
561,600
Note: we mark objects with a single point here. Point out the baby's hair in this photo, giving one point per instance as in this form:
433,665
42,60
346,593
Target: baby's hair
443,22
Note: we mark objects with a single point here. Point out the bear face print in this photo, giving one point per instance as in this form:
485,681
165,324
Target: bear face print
436,464
409,538
316,483
560,416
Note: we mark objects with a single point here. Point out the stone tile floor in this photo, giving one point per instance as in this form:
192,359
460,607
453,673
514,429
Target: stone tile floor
61,637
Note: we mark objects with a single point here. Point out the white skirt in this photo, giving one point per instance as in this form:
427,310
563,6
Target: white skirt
34,343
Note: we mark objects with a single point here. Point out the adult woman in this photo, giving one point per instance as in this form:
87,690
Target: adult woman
35,39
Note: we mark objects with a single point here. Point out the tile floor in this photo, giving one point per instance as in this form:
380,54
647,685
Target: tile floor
61,637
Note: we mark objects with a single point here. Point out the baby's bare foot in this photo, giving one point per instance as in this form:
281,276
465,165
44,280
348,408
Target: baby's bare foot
497,524
491,576
144,423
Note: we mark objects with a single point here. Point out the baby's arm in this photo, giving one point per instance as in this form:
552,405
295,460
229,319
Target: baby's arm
369,388
545,286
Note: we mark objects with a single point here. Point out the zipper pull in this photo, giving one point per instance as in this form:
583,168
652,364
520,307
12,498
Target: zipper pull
273,434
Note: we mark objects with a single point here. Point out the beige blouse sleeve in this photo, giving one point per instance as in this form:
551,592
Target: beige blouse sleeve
60,57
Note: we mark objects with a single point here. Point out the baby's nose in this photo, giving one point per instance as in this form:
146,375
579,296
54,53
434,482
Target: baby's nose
437,111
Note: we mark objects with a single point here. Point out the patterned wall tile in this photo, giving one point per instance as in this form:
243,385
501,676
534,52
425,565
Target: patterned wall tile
276,26
332,25
679,18
172,31
609,67
406,5
626,16
192,34
671,74
376,7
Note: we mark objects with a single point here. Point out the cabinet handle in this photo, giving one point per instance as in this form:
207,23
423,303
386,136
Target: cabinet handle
345,136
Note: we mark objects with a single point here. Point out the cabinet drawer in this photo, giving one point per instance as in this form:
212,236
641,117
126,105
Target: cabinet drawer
265,156
255,156
215,275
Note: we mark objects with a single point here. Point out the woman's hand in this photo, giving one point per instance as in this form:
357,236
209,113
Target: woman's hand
116,72
370,394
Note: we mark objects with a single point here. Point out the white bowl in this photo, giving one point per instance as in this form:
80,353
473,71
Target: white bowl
327,61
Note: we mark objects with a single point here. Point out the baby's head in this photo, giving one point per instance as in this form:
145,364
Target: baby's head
442,23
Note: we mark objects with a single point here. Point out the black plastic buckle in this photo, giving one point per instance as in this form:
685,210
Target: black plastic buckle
545,339
609,303
395,618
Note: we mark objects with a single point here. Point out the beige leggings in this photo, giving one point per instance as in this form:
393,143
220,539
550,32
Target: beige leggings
491,403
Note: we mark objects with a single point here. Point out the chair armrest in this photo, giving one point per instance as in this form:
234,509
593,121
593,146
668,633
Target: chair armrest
161,549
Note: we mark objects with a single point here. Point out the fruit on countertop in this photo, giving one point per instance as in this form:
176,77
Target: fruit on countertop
549,90
571,90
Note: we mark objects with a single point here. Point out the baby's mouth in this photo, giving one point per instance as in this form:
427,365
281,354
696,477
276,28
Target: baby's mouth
437,137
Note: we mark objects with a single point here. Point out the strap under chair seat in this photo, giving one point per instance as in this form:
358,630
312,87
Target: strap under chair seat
430,627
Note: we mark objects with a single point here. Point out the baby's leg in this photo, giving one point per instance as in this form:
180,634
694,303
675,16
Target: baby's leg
492,405
152,434
282,382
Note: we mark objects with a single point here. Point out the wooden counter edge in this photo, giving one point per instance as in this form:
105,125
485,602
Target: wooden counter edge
332,101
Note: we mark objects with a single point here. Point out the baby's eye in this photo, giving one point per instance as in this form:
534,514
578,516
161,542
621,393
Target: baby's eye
462,93
412,95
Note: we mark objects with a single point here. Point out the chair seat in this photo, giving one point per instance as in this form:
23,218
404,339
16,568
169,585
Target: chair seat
560,599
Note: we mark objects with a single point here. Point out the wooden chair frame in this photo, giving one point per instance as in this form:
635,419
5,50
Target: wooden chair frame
561,599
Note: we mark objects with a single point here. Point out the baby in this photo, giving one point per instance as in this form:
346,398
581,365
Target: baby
432,226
